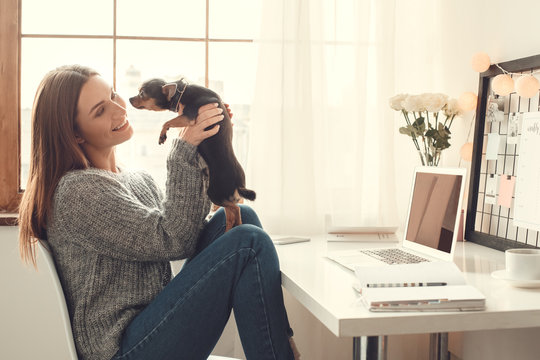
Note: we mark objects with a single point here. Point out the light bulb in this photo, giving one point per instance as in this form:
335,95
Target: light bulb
467,101
527,86
466,151
480,62
502,84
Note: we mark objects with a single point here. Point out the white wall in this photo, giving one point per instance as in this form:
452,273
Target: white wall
435,40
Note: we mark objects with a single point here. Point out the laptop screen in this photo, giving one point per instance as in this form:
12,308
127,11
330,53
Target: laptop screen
433,211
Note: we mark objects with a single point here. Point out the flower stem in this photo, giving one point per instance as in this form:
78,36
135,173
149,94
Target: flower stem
406,116
408,121
421,158
451,121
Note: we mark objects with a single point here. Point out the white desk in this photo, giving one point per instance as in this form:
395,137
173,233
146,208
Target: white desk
324,288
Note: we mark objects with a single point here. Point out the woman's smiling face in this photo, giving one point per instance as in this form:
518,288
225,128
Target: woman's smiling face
101,116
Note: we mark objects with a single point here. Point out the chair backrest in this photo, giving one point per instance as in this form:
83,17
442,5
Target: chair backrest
45,254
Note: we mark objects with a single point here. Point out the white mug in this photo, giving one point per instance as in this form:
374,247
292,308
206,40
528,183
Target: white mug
523,264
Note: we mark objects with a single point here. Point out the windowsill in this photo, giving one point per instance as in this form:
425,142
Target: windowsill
8,219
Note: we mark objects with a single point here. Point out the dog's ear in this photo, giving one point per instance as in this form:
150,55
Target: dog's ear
169,90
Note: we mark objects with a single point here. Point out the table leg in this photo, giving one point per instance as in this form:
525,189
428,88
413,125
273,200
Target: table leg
357,348
438,346
370,348
383,347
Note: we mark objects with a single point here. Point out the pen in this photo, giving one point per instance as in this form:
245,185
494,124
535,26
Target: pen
405,284
409,303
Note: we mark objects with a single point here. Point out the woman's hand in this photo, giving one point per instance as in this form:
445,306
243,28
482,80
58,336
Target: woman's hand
228,110
209,115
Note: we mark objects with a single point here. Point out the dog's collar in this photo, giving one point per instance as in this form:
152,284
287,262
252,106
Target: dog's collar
174,104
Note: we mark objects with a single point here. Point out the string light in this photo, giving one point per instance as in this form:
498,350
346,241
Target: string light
480,62
512,73
502,84
527,86
467,101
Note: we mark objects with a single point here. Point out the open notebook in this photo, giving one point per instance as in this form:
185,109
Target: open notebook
432,223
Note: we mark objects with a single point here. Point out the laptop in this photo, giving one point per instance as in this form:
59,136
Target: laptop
432,223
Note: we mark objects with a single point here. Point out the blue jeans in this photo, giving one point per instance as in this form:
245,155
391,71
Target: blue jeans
237,270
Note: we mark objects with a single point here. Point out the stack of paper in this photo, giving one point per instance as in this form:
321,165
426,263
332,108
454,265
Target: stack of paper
429,286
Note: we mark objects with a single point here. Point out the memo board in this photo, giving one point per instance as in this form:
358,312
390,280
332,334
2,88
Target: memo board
493,225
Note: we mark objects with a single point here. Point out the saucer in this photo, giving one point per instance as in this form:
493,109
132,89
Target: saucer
502,275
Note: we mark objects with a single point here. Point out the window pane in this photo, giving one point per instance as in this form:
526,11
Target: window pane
166,59
34,65
166,18
137,61
67,17
232,68
339,60
234,19
339,19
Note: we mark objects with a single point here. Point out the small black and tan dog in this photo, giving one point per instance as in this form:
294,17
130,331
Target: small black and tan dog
227,179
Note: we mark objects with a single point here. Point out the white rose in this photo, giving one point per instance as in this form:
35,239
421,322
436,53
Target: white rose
434,102
414,103
396,102
452,108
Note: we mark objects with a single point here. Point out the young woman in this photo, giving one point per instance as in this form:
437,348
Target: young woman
113,234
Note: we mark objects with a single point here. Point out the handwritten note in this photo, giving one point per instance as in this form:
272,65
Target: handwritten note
527,198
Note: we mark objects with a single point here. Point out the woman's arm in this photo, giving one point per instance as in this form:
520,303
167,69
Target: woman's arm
96,210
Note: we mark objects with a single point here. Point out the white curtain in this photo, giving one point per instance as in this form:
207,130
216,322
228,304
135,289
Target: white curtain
321,136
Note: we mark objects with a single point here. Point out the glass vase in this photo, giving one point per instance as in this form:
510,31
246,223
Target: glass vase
429,158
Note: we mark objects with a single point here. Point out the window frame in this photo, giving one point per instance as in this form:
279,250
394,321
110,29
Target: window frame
10,101
10,189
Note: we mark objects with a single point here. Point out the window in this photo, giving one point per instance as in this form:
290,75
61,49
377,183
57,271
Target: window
209,42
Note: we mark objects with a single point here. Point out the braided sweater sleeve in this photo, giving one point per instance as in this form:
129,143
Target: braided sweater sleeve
112,237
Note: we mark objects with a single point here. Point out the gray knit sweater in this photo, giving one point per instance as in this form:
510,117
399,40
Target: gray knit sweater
112,237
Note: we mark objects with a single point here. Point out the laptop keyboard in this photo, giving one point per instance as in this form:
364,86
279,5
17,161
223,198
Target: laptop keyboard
394,256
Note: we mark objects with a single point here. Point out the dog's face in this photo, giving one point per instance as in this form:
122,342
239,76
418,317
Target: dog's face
151,96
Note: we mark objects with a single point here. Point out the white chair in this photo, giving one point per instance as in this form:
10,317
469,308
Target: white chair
45,254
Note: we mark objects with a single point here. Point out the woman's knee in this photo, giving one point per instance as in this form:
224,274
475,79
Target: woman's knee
252,236
249,216
247,236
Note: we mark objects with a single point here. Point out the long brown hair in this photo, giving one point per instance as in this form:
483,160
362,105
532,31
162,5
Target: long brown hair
54,151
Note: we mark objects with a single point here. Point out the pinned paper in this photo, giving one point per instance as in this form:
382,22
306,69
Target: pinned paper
527,200
495,109
492,148
513,128
506,190
491,189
